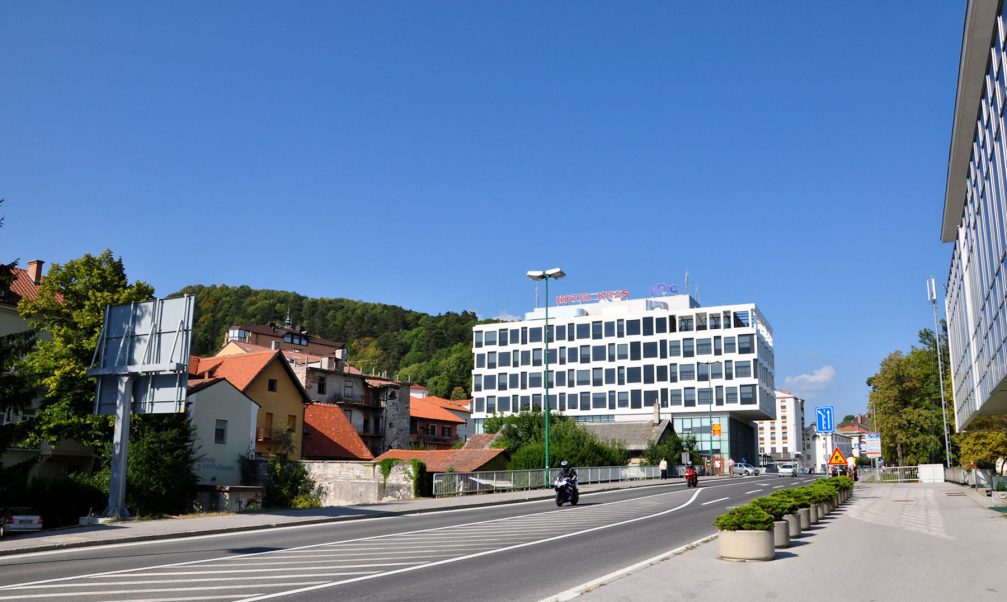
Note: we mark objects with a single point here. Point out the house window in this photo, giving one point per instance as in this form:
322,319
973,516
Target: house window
446,431
291,423
348,389
220,432
271,385
321,385
432,429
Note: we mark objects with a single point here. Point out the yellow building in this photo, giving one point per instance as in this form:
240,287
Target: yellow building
267,379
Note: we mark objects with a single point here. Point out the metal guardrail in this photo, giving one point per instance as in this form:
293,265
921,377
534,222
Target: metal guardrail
463,483
979,478
889,474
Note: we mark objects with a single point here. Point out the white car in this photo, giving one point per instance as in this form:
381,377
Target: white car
745,469
789,470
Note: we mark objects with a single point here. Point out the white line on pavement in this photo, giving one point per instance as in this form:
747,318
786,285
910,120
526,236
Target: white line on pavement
753,491
778,486
714,501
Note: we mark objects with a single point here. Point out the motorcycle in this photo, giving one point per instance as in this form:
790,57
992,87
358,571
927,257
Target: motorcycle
691,480
566,491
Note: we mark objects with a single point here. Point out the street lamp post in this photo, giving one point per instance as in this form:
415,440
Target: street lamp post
932,296
555,274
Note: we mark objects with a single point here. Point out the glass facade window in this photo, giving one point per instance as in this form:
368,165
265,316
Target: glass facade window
688,348
650,350
477,338
633,374
622,351
648,326
689,396
596,330
661,325
743,369
686,372
502,337
746,343
676,397
534,380
491,359
748,395
674,348
598,353
535,335
673,373
703,347
609,329
632,327
729,346
583,331
490,337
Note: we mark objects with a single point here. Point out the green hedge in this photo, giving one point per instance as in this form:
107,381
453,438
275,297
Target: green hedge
744,518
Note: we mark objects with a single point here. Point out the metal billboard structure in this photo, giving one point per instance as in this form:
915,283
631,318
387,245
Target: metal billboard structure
142,366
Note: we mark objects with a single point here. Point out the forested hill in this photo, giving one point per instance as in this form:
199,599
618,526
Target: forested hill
434,351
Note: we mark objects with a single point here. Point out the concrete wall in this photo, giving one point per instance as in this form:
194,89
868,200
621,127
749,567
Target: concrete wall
350,483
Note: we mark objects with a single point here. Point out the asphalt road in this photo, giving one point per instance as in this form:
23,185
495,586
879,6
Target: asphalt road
524,551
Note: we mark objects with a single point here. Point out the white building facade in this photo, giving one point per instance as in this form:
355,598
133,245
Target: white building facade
782,439
634,360
975,211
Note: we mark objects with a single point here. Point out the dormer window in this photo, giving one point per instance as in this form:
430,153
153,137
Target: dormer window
237,334
295,339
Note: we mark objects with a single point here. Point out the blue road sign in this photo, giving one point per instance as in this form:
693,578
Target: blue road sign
826,422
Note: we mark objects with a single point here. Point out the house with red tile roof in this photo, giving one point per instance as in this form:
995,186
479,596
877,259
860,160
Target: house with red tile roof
224,419
461,408
377,408
268,379
23,285
330,436
285,337
451,460
431,425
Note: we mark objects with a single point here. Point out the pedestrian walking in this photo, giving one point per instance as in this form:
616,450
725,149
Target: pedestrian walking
730,466
664,468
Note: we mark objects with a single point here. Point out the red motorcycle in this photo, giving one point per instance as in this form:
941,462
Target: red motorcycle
691,480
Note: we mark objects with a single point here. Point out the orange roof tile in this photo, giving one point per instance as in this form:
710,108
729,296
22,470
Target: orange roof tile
240,370
419,408
443,460
22,287
458,405
330,435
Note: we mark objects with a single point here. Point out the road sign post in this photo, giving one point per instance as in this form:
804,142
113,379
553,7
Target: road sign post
825,419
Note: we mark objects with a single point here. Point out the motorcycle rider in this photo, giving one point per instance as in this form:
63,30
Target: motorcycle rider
566,471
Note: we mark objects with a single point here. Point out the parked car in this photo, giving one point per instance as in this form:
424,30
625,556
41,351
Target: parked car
743,468
786,469
17,519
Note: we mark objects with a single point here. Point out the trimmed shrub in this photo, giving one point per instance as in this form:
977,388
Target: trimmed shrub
744,518
776,505
799,496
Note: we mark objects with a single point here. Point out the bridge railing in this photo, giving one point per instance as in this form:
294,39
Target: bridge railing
463,483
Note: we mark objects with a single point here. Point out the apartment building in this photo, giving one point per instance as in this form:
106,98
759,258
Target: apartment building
781,439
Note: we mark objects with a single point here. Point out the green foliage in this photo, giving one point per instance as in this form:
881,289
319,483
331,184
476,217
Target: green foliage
288,484
70,309
984,443
776,505
905,398
431,350
820,492
744,518
523,435
800,496
160,472
671,449
386,466
689,444
423,481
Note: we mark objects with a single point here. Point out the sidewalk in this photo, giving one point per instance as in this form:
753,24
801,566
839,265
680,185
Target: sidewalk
145,530
889,542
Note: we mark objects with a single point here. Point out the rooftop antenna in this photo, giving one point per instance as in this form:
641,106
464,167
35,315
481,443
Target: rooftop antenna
697,293
286,323
536,296
686,280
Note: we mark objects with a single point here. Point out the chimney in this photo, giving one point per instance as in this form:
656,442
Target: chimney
35,270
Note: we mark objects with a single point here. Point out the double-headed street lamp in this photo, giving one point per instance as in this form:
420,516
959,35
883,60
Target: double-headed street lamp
555,274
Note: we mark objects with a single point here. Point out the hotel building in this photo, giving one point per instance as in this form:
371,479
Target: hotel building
975,210
620,360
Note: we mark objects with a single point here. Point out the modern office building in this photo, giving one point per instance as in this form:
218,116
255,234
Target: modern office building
975,209
781,439
634,360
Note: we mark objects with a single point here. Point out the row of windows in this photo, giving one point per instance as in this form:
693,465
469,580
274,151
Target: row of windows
614,328
611,352
633,399
621,375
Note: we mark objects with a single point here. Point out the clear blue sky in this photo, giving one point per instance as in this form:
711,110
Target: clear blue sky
428,154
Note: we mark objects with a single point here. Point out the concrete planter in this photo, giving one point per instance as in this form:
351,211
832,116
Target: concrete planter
746,545
781,534
1000,498
815,517
793,525
804,518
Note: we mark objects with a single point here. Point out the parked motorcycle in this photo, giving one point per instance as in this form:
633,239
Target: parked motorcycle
691,479
566,491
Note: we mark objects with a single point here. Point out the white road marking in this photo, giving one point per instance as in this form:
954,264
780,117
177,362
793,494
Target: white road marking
476,555
714,501
753,491
778,487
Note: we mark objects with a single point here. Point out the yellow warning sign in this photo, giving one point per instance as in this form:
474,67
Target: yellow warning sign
837,458
716,430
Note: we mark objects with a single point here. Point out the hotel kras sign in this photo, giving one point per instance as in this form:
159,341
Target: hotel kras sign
591,297
661,289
